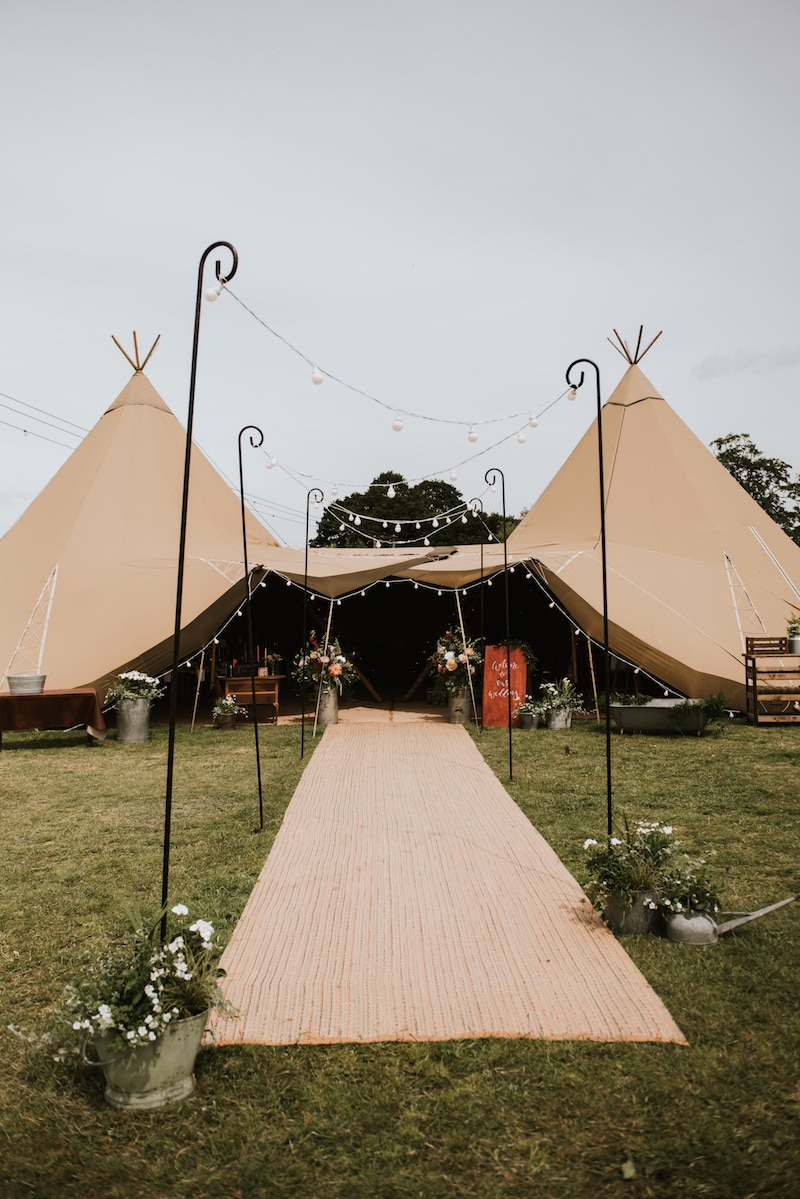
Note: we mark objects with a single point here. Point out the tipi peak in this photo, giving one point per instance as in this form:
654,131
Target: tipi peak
639,353
135,363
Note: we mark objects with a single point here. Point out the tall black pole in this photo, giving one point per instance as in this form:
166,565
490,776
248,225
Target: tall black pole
176,641
604,563
494,472
252,430
316,495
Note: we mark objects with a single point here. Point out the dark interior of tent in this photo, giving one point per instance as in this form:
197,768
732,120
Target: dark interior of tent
390,630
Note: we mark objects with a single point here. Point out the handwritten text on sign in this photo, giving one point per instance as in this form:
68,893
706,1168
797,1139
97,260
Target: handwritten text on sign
502,672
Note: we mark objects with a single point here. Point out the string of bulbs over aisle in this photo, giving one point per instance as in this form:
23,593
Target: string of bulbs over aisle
400,416
529,566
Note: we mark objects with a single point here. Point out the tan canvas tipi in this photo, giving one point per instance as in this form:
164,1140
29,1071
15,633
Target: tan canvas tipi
695,565
89,569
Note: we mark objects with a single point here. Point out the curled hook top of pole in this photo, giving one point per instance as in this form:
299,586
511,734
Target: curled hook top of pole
217,265
578,362
476,504
251,429
494,471
315,496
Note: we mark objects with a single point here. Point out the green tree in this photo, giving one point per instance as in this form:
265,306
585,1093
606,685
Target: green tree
423,502
768,480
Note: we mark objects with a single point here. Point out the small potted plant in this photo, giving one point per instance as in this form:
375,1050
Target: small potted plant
627,872
132,694
225,711
528,713
558,702
140,1009
793,633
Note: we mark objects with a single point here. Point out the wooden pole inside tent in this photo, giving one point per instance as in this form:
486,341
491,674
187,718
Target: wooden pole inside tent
197,688
594,681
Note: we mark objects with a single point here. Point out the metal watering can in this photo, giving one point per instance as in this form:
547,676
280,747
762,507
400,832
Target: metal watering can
704,930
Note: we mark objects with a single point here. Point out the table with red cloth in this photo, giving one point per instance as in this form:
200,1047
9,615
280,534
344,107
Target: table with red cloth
52,710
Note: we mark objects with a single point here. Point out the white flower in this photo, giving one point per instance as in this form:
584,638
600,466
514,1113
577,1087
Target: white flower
181,909
205,930
589,842
615,841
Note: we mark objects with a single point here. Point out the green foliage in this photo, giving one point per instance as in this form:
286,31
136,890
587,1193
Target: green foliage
768,480
421,502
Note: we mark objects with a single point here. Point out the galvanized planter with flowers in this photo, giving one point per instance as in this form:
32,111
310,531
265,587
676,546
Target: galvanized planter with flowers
142,1008
457,660
132,694
558,701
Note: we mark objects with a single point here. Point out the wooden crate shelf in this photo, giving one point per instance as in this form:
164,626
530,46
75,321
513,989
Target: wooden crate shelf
772,681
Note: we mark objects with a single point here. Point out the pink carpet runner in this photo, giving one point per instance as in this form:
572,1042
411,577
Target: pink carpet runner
406,897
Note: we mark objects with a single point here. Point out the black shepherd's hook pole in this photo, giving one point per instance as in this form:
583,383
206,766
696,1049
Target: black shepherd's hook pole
252,430
494,472
176,643
315,496
604,564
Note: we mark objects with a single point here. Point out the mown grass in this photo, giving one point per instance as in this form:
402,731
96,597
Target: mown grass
82,835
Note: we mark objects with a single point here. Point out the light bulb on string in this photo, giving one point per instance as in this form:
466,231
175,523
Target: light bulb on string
397,528
453,476
426,541
397,423
271,463
341,528
214,293
419,526
357,520
385,525
378,545
391,493
317,376
334,491
472,435
521,438
533,422
463,520
572,394
435,523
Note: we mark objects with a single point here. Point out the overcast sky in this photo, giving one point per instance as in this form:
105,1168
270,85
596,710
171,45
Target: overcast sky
442,204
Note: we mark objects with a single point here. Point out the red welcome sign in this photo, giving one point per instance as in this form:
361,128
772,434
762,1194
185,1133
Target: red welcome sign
503,672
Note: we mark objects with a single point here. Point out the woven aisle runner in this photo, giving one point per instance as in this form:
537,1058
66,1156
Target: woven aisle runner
406,897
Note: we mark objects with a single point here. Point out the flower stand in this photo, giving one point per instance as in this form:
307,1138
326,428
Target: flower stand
559,718
133,720
458,707
154,1075
638,918
328,711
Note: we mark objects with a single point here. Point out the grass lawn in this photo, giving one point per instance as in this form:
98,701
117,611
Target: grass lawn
82,835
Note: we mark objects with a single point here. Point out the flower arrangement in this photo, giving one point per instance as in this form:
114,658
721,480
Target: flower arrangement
227,705
457,659
563,694
141,985
272,662
529,707
793,625
324,667
687,888
636,860
133,684
647,858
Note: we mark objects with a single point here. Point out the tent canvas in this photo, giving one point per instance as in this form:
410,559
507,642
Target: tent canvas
695,565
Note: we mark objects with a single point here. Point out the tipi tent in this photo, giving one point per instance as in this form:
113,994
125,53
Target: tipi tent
694,563
90,567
